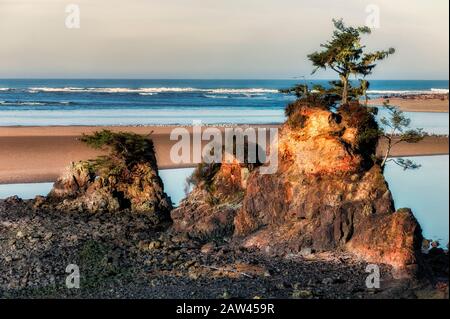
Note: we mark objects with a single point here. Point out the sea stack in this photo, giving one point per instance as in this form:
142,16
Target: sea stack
328,194
125,180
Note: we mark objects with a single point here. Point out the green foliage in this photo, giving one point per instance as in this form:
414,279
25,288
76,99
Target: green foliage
317,97
398,123
345,55
125,149
297,120
299,90
129,146
397,131
362,118
204,173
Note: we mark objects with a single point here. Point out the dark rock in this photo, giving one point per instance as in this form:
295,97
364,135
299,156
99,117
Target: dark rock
210,208
13,200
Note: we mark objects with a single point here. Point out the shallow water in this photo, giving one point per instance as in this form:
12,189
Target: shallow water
175,182
25,191
424,190
432,123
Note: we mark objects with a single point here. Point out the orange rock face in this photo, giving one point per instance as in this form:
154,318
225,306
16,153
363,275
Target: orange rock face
328,194
393,239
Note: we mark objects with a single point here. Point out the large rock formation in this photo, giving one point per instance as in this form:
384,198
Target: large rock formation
126,179
209,210
329,193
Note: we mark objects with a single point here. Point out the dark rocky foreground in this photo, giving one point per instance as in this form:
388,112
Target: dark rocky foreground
125,255
308,231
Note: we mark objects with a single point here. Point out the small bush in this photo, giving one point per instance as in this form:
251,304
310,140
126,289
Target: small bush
125,150
362,118
204,173
297,120
129,146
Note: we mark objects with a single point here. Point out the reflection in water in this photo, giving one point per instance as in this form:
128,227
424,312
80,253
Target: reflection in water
175,182
25,191
424,190
432,123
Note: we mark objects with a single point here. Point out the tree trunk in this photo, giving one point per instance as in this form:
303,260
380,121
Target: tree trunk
386,155
344,79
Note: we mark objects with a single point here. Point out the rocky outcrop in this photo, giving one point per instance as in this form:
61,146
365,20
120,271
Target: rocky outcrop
209,210
329,193
391,238
124,180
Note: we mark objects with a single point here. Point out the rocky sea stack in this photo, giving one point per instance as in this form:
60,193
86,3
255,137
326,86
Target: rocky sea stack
328,194
124,180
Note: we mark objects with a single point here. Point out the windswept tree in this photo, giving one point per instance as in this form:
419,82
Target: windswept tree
345,55
396,130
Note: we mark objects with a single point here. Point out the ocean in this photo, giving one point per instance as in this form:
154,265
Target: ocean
43,102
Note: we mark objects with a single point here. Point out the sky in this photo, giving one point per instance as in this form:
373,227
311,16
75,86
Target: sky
238,39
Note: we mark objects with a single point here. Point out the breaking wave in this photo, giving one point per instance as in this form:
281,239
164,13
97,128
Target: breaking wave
208,92
34,103
150,90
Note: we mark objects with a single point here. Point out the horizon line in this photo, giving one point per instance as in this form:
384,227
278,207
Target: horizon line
205,79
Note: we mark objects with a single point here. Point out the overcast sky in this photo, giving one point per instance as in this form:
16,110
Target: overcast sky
212,38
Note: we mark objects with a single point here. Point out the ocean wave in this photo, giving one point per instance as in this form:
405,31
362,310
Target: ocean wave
212,96
252,91
150,90
34,103
259,96
211,92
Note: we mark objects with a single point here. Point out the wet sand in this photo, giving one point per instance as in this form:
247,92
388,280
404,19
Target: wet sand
416,104
39,154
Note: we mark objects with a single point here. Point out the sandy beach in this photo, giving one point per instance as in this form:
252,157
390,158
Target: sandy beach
424,103
39,154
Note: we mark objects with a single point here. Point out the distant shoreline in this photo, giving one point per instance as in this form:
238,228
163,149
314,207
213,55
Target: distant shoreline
39,154
435,103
